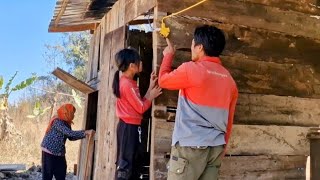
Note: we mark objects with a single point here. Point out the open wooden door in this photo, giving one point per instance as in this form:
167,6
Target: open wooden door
73,81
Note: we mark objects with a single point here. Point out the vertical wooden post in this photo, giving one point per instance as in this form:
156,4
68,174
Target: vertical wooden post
75,169
314,137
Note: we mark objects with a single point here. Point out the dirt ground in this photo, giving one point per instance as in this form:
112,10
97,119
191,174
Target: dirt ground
33,173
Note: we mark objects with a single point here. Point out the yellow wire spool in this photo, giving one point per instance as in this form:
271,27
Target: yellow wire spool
164,30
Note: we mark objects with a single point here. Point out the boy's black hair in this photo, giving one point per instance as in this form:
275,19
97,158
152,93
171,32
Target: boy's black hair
211,38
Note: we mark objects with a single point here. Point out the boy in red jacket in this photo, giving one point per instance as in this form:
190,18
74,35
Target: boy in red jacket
206,106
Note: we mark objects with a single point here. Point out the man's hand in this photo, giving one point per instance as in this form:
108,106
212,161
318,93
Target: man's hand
169,49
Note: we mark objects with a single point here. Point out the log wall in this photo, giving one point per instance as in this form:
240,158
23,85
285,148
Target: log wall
272,51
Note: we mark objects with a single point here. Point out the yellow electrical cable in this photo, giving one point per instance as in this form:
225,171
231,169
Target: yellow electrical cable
165,31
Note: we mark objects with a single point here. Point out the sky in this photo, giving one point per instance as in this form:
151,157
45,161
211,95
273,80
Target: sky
23,34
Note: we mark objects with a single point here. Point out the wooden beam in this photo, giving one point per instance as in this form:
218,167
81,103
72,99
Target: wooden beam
73,28
141,21
253,75
61,11
248,139
72,81
297,173
135,8
249,15
305,6
267,45
268,140
242,165
257,109
251,167
277,110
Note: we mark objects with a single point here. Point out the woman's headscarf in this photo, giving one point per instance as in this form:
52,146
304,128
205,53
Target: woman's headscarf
64,113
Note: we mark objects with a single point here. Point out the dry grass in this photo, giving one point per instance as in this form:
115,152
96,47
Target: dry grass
26,149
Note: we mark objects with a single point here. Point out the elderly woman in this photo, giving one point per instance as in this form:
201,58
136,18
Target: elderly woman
53,144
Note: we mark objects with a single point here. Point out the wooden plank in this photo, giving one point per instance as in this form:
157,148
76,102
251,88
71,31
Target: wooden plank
79,10
256,109
88,150
155,159
248,139
135,8
72,81
121,13
100,155
114,16
90,60
112,19
82,18
69,8
72,21
85,163
12,167
124,11
118,43
252,167
250,15
83,13
268,166
107,21
72,28
253,75
277,110
296,174
89,156
103,33
306,6
61,11
59,4
106,153
278,140
96,55
82,151
268,46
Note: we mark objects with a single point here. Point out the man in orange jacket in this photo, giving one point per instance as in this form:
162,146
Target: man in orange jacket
206,106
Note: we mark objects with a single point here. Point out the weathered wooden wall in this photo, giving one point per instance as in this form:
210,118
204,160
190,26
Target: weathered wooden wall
272,52
108,38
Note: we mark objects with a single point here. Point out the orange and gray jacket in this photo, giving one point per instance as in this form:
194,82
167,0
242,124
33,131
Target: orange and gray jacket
207,100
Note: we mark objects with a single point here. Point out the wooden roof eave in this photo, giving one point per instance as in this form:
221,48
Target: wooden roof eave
72,16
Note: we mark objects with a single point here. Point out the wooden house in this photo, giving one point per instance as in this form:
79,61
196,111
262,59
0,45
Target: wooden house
272,51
